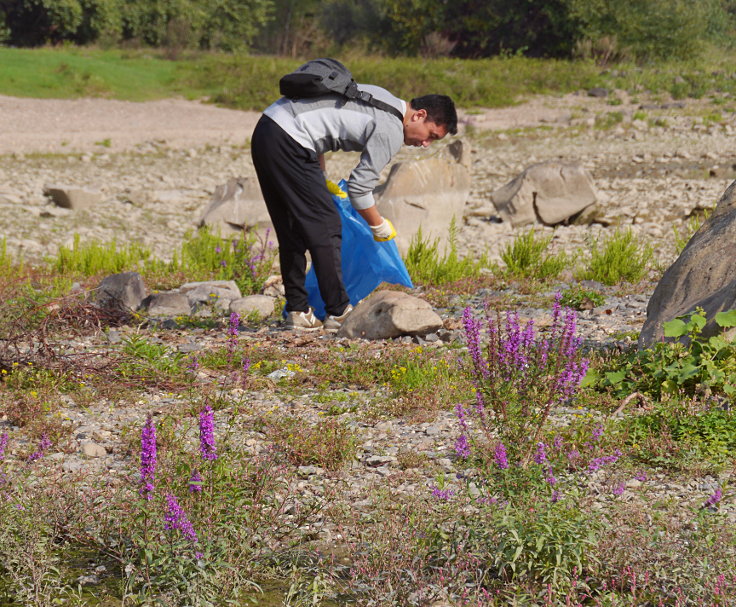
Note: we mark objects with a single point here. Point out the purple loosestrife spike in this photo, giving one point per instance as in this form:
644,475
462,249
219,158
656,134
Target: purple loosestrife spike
641,476
472,335
598,432
3,444
442,494
176,518
500,456
712,501
462,447
195,482
43,446
551,477
555,496
233,328
462,417
557,444
148,458
540,456
619,489
207,434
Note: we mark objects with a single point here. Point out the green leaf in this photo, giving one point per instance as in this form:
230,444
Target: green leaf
726,319
688,371
615,377
675,328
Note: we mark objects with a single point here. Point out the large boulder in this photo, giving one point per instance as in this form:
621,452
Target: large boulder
549,193
704,275
72,197
125,291
236,206
388,314
426,193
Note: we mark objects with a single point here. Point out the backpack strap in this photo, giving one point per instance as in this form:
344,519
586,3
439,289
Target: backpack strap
353,92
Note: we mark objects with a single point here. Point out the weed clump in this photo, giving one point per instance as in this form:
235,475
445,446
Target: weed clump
619,257
527,258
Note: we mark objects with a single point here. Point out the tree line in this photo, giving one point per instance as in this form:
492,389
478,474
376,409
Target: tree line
603,29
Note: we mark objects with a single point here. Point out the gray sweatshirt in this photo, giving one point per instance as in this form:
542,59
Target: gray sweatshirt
331,123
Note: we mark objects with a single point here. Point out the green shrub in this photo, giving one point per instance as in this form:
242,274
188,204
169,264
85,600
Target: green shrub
527,257
671,369
426,264
92,258
579,298
620,257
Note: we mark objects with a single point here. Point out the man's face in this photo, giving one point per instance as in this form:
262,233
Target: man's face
420,132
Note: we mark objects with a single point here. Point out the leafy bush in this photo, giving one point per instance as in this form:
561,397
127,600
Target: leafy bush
620,257
425,263
527,257
521,376
672,369
93,258
579,298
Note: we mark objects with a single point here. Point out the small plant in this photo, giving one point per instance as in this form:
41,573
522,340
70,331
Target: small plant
694,222
527,257
608,120
329,444
521,376
425,263
704,365
620,257
92,258
579,298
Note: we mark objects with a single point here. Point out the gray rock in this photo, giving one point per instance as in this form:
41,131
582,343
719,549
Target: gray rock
426,193
92,449
70,197
199,293
263,305
704,275
236,206
124,291
548,193
388,314
169,303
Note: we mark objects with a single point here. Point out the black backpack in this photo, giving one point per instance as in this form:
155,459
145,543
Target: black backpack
323,76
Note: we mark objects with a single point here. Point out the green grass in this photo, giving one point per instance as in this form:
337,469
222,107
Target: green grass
251,82
77,72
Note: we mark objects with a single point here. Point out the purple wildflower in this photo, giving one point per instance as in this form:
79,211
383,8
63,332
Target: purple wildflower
218,249
195,482
207,434
472,335
462,447
244,374
198,555
573,454
712,501
598,432
3,444
641,476
556,495
442,494
43,446
557,444
551,477
540,456
176,518
233,328
223,263
598,462
500,456
619,489
148,458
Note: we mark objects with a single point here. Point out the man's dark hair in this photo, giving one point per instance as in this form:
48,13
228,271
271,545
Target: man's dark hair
440,110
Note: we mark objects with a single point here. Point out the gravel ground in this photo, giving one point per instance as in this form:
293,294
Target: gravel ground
158,163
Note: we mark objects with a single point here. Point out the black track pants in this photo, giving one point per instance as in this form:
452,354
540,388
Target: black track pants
303,215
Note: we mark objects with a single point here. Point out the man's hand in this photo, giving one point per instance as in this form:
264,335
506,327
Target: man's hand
383,231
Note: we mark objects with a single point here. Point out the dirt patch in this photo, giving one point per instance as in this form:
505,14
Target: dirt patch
74,125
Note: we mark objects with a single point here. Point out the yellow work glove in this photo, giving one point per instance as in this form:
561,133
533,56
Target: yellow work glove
334,189
383,231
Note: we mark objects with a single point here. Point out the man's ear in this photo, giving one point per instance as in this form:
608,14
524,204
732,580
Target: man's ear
419,114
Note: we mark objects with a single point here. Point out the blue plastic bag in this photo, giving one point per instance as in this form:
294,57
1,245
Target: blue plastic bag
365,262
